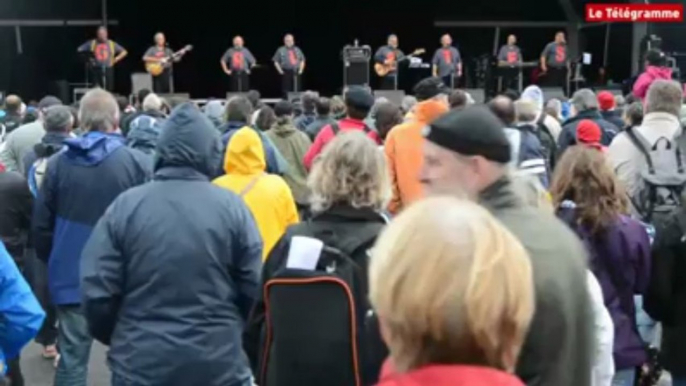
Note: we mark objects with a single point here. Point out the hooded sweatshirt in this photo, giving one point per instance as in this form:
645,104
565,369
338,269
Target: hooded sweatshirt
651,74
404,151
293,145
267,195
78,186
536,94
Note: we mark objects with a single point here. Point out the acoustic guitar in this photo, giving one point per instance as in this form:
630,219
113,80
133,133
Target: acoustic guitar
156,68
382,69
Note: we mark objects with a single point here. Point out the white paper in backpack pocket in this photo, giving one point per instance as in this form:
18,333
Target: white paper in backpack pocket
304,253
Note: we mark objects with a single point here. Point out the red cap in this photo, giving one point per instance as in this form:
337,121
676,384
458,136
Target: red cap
606,100
589,133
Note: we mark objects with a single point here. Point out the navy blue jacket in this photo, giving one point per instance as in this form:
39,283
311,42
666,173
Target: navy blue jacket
527,154
172,269
49,145
568,135
78,186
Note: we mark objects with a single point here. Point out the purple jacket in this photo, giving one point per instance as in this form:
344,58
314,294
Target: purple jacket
620,259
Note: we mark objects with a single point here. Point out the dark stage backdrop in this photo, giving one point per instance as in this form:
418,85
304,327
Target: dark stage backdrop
321,30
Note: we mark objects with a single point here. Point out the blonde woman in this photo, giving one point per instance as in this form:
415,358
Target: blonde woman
349,189
454,294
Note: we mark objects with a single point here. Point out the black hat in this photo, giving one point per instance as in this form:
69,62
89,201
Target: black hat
359,97
429,88
655,57
472,131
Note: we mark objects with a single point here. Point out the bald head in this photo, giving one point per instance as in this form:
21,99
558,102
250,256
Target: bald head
13,104
99,111
393,40
503,108
160,40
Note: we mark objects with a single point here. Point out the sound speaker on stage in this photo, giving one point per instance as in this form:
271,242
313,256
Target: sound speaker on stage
356,65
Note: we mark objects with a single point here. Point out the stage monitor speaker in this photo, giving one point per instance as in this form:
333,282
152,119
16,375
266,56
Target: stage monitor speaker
176,95
553,93
140,81
356,73
394,96
477,94
232,94
615,91
60,89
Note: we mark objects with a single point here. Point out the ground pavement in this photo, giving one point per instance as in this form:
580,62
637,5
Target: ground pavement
40,372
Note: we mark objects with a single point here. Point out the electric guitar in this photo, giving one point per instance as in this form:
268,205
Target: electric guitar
382,69
156,68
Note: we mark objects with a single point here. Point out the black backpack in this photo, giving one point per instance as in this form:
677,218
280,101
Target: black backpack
663,178
336,129
320,329
548,144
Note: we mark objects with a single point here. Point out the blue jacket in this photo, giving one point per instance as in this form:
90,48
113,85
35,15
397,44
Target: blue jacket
568,135
20,314
527,156
172,269
276,164
78,186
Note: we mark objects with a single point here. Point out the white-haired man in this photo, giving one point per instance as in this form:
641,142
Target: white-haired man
160,53
661,120
78,186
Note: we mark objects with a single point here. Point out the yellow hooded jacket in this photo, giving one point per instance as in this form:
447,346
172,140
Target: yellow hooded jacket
268,196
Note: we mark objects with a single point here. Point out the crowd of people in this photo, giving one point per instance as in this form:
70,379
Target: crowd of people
348,240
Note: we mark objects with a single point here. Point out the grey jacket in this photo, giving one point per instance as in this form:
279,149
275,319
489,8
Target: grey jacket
19,143
559,347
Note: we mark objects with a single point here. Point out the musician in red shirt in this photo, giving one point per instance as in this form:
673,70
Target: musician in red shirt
237,62
509,59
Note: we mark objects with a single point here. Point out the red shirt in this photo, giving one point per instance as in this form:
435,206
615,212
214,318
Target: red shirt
447,375
326,135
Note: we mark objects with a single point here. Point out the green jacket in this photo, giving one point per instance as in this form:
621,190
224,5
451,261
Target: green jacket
559,348
293,145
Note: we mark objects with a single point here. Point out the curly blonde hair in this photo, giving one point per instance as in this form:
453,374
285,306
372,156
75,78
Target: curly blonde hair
352,171
585,177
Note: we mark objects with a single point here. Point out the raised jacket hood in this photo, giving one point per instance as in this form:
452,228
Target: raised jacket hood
92,148
245,154
284,128
214,110
188,139
428,111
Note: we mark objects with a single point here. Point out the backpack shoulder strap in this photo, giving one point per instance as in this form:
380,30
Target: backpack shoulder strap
335,128
33,184
250,185
642,145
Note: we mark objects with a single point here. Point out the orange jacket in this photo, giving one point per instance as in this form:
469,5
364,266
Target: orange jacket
404,154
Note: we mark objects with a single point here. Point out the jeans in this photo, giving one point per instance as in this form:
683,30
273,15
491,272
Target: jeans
74,347
624,377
